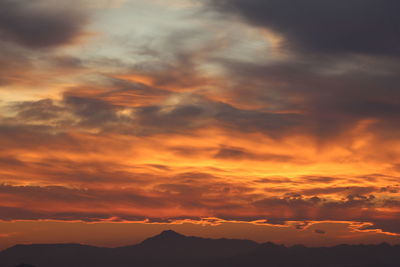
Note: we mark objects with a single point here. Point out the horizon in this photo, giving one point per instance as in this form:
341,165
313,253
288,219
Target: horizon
170,248
264,120
168,231
135,233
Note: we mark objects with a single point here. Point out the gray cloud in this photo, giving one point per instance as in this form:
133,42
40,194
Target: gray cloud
319,231
235,153
35,25
330,100
330,26
341,68
212,198
192,112
42,110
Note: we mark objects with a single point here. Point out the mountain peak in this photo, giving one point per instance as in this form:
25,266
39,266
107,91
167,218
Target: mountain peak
165,237
170,233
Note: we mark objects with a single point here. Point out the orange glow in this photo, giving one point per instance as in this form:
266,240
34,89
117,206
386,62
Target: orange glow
216,126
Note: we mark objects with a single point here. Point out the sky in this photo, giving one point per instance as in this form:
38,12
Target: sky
270,120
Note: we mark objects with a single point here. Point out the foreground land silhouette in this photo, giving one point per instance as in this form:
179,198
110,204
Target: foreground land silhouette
172,249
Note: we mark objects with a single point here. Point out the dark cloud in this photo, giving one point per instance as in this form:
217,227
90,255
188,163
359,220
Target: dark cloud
318,231
321,179
7,162
296,207
77,204
234,153
59,196
275,180
91,111
389,225
325,81
330,26
206,198
186,113
15,65
273,124
189,176
36,25
30,68
66,62
194,112
391,189
329,99
42,110
178,118
355,190
15,213
191,151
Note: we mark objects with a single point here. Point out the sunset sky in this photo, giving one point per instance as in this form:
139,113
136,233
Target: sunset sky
271,120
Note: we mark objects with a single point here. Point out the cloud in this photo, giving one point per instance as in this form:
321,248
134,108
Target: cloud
37,24
42,110
179,113
312,26
324,83
234,153
105,3
197,198
318,231
389,226
355,190
319,97
192,132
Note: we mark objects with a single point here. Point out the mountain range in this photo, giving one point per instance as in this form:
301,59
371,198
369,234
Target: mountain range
171,249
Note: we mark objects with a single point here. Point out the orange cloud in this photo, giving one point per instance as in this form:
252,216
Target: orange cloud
305,143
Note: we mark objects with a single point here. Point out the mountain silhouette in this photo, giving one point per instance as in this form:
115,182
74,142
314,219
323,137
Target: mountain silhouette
172,249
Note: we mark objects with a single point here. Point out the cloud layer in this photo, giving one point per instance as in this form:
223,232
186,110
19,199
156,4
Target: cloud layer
179,125
38,24
356,26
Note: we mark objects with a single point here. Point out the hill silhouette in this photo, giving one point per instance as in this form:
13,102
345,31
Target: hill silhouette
176,250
